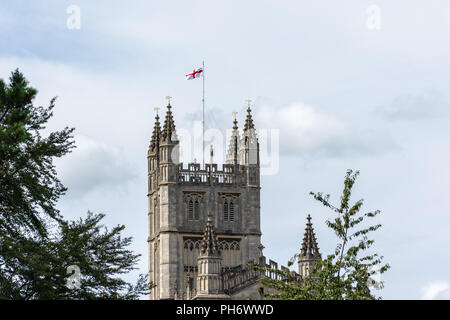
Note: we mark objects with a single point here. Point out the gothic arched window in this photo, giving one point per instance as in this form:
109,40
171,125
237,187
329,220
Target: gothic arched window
193,207
228,211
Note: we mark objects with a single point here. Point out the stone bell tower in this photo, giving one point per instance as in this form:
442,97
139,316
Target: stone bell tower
179,198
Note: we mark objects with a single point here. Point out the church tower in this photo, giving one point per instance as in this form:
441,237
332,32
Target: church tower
179,198
309,253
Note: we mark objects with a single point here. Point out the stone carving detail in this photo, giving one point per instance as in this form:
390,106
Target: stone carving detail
229,250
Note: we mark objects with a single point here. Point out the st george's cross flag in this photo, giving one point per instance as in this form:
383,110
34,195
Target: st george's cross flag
194,74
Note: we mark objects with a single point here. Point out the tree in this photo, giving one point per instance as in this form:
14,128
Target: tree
29,187
36,244
347,272
82,260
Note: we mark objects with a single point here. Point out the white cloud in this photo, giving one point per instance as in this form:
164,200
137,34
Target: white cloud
93,165
306,131
436,291
303,130
91,101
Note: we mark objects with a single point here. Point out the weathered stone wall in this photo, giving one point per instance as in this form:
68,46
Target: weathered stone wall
253,292
169,223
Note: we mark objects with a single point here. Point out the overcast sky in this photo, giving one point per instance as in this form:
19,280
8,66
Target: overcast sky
342,93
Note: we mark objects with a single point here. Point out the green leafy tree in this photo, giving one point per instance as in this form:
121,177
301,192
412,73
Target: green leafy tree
348,272
96,256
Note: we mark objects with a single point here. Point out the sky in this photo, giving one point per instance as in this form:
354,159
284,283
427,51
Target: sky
342,85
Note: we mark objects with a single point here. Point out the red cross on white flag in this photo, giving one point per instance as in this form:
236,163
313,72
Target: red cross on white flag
195,74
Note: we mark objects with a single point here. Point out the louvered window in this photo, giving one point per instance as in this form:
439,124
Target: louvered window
225,211
191,210
231,211
196,210
228,211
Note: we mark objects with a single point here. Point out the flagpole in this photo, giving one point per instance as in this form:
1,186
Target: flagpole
203,115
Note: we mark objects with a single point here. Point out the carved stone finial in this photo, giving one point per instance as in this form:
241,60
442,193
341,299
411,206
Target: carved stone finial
235,127
249,120
156,134
169,124
310,249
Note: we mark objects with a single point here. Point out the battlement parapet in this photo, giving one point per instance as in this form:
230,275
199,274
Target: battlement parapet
193,174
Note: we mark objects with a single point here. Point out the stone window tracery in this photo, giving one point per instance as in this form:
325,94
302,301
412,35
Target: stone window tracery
193,203
229,251
229,206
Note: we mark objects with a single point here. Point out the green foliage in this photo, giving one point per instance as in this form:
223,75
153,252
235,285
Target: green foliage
36,244
347,272
29,187
39,270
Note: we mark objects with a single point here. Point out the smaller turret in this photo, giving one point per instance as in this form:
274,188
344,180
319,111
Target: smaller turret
168,132
249,146
249,151
156,136
249,120
233,147
153,156
168,149
309,253
209,279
